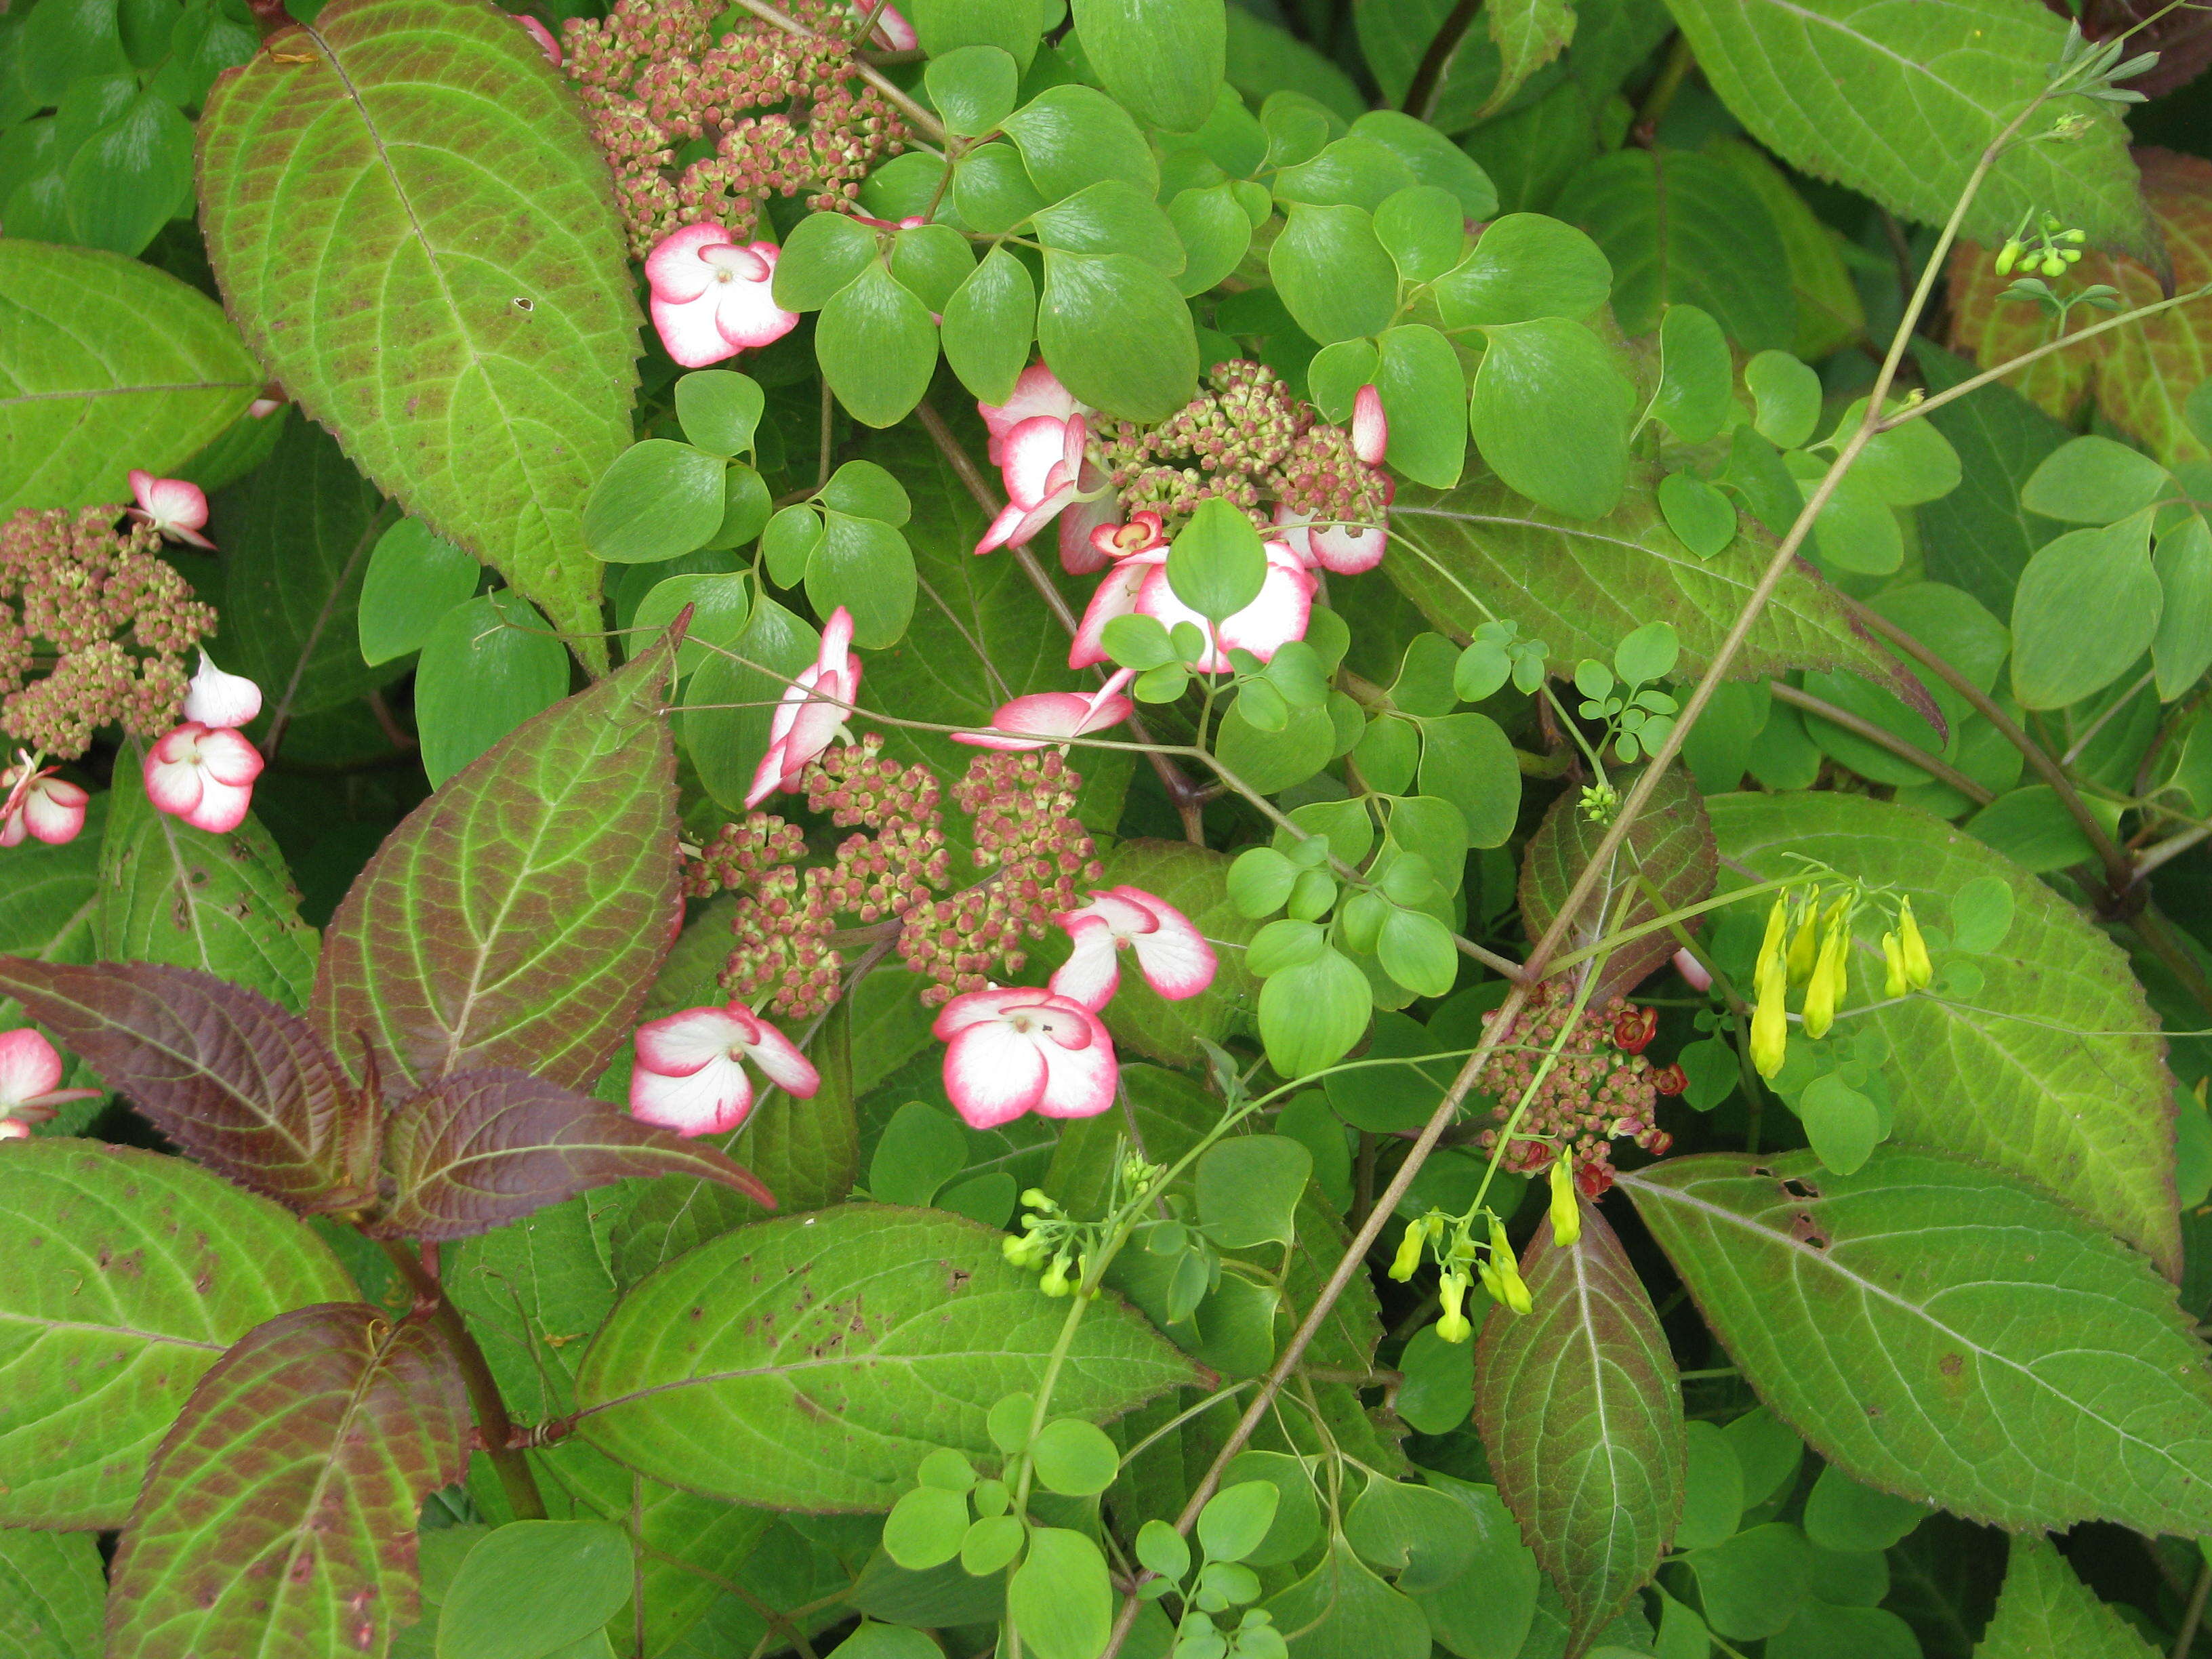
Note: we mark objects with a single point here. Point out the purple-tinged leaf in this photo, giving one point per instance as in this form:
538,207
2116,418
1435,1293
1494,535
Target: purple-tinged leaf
244,1087
1580,1406
126,1275
474,1150
278,1517
517,916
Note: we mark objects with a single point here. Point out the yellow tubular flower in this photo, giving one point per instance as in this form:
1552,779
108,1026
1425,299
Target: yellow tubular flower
1453,1326
1893,983
1825,988
1409,1249
1509,1289
1567,1210
1918,971
1770,1022
1804,952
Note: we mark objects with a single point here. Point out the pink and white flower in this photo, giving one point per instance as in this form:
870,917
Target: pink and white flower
215,698
39,804
891,31
1342,550
1016,1050
1042,469
1037,392
1172,955
176,508
30,1082
1686,964
1138,584
262,407
203,775
690,1073
811,715
1371,428
1049,717
548,42
712,296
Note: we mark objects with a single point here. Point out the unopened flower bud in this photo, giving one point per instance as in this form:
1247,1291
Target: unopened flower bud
1830,977
1770,1022
1566,1208
1804,947
1893,984
1453,1325
1054,1282
1919,972
1408,1258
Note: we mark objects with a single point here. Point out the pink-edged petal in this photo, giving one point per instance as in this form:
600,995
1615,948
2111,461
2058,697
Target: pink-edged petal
1038,392
815,729
1370,429
1115,596
13,827
1044,714
12,1130
674,270
228,757
54,811
1003,528
262,407
892,29
835,654
779,1056
1175,960
1281,612
712,1100
29,1066
768,776
736,261
971,1008
548,42
1686,964
172,503
1085,523
1082,1081
173,787
687,328
748,317
215,698
679,1045
994,1073
1347,549
221,808
1092,972
1129,911
1032,451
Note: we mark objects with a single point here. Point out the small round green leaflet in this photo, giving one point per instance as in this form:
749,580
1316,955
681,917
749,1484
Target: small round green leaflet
865,491
1468,760
880,1641
1438,1391
1701,517
1074,1458
1424,230
931,261
925,1528
1351,171
1164,1550
1843,1124
1071,136
1416,950
413,578
789,542
1524,267
1059,1598
1215,233
129,178
992,1543
877,346
2093,480
2086,607
989,322
1841,1514
660,499
1788,394
489,665
1216,565
1753,1582
745,508
1008,1422
1696,376
1981,914
1248,1189
720,604
1712,1488
1416,1532
1162,58
1311,1014
1297,1522
1117,333
993,190
1550,414
1423,390
720,409
922,1148
1857,531
1336,374
974,88
822,253
1332,274
1237,1519
531,1587
866,566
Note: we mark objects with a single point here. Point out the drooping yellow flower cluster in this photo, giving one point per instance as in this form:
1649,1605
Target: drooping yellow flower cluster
1808,946
1465,1261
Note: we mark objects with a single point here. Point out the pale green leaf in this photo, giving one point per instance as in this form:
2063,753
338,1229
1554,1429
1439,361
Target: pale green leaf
52,1585
2044,1611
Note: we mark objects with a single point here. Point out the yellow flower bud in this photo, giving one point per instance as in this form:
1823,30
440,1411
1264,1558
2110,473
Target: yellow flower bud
1453,1326
1566,1209
1803,946
2008,256
1409,1249
1893,983
1770,1022
1918,971
1831,976
1511,1290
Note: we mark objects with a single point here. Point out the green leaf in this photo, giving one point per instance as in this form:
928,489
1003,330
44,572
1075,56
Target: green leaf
720,603
1488,1611
296,537
1905,100
130,177
1059,1599
489,664
1752,1584
1238,1519
172,894
413,578
2086,609
117,1307
1071,136
1843,1515
1696,376
2182,648
107,364
1118,334
1215,566
877,346
974,88
989,322
1579,1404
866,566
1702,519
51,1586
517,917
658,501
2003,1077
764,1407
1311,1014
2044,1609
1788,395
1164,59
506,394
925,1528
1908,1318
1417,1532
1214,233
1433,159
1979,536
1528,34
1248,1188
1416,950
1423,392
1353,171
1843,1125
1332,274
946,25
1579,586
1075,1458
1526,266
329,1425
48,907
1551,414
992,189
1682,227
1341,1610
720,409
2095,480
532,1587
1712,1488
728,703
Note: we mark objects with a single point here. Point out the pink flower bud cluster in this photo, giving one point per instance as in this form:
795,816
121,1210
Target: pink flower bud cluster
1597,1092
118,619
1247,439
758,111
741,855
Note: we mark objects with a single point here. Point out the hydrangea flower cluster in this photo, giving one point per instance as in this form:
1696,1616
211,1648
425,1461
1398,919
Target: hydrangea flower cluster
1601,1088
118,619
699,130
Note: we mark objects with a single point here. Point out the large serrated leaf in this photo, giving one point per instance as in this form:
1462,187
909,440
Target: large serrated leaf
419,237
52,1585
106,363
2044,1611
279,1514
517,916
172,894
1480,550
1898,98
130,1274
1580,1406
2051,1070
479,1148
819,1358
244,1086
1945,1333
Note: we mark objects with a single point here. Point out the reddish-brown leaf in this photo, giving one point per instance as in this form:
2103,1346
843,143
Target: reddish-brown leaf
517,916
1580,1406
485,1147
244,1087
278,1517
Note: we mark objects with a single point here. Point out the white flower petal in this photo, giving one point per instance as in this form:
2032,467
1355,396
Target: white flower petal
1092,972
994,1073
712,1100
29,1066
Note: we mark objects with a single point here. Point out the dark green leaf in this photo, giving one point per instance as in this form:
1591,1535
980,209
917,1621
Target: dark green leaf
1551,414
824,253
1072,136
128,179
2087,607
866,566
1752,1584
489,664
413,578
2044,1609
1341,1610
1526,266
877,346
1248,1189
989,322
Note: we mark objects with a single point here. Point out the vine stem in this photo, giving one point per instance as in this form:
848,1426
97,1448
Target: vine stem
1937,768
492,1423
1601,859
